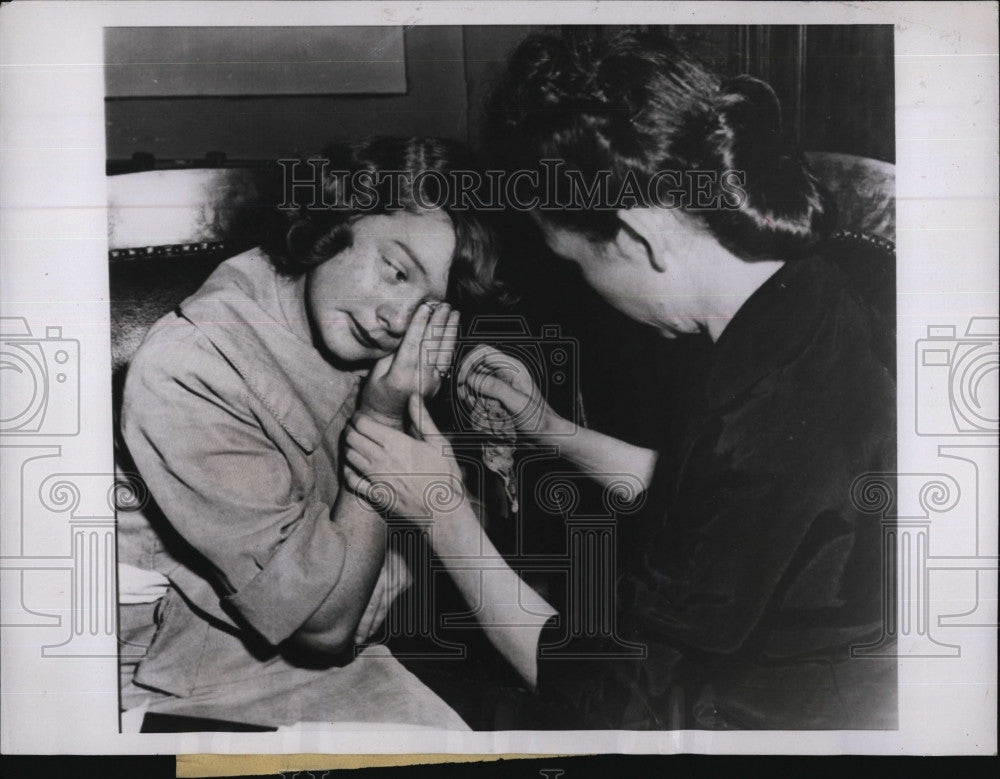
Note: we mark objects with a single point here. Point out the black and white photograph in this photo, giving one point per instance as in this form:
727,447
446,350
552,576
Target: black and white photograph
584,459
523,374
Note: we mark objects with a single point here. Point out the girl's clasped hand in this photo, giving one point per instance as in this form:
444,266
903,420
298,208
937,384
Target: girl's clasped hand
399,474
417,366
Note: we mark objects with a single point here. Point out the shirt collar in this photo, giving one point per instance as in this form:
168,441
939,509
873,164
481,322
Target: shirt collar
772,328
256,319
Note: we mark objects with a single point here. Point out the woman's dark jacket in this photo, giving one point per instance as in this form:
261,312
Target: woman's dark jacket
758,572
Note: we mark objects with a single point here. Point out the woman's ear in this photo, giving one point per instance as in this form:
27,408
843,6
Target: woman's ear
647,229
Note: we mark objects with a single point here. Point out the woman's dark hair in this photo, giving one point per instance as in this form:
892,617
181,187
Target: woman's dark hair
635,104
309,235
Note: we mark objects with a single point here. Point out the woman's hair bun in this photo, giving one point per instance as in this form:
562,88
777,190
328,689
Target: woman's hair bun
785,211
749,113
636,104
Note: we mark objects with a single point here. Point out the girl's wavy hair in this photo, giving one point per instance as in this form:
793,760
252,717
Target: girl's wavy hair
306,236
635,104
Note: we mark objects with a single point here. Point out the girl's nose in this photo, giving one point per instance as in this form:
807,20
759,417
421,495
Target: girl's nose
395,314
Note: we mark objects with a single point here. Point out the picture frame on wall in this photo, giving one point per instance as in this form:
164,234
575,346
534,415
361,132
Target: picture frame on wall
258,61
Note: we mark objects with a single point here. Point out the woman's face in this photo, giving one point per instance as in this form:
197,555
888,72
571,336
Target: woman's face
621,272
361,301
612,276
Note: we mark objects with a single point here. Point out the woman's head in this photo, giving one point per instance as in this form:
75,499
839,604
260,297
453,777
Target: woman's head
653,120
382,241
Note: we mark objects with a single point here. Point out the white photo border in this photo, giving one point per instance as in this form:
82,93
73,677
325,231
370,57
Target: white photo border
60,696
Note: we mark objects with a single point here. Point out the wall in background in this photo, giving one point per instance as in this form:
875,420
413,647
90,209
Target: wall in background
269,127
230,61
849,91
835,83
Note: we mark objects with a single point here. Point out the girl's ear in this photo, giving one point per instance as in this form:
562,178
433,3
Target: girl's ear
647,228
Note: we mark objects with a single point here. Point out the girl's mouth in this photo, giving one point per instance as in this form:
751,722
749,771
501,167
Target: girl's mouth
363,336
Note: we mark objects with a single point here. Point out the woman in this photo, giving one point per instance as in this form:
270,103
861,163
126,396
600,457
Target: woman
759,575
233,411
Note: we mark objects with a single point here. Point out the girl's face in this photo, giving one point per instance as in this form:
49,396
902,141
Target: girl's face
361,301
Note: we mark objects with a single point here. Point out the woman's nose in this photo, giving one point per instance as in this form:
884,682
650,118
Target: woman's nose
395,315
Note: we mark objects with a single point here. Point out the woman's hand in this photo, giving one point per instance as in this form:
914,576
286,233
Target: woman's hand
394,577
488,377
412,369
400,475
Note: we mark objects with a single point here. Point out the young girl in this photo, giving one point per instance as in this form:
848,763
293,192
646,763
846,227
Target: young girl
233,411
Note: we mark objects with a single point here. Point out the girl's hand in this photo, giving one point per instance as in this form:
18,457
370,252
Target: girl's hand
488,377
392,580
412,368
400,475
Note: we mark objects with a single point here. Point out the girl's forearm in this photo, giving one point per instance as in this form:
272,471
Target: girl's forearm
509,611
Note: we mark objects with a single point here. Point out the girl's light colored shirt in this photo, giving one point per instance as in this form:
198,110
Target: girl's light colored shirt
233,419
